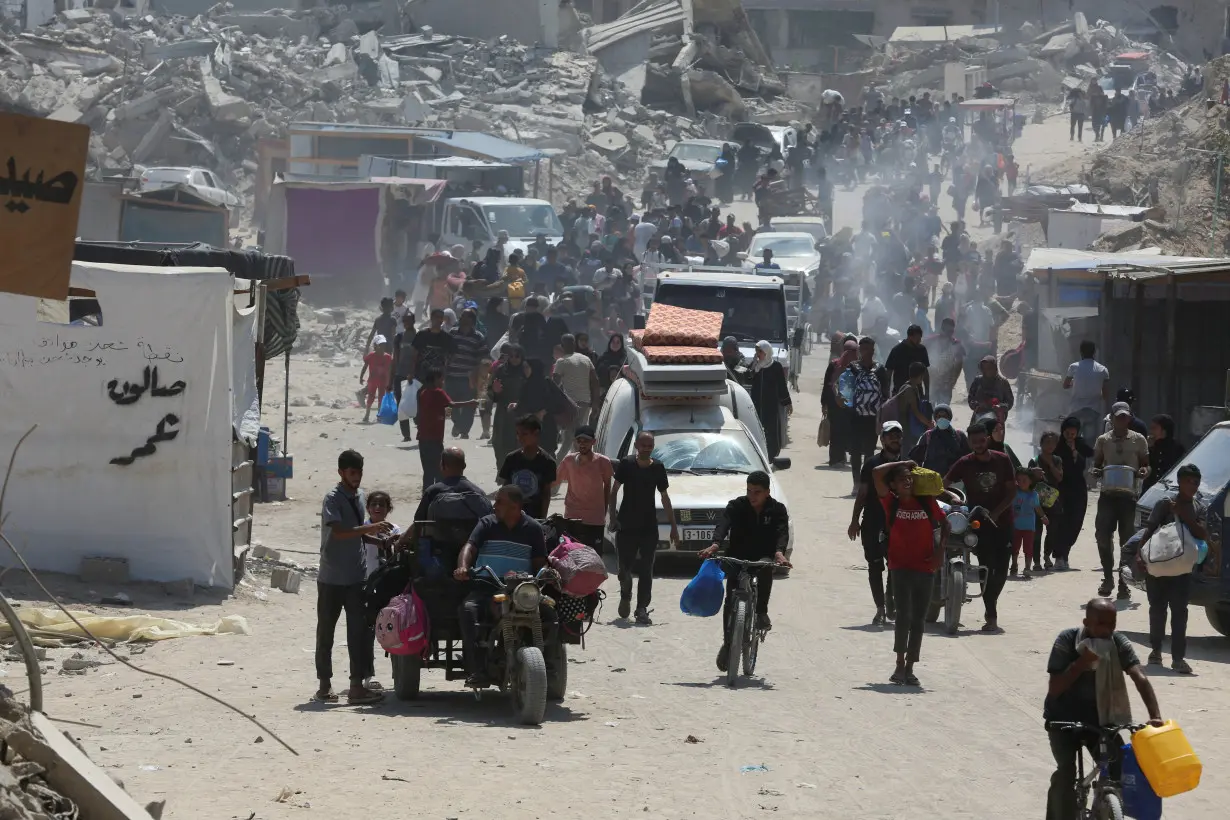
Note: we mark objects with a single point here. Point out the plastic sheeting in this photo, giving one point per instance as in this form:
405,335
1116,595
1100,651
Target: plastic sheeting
45,624
132,455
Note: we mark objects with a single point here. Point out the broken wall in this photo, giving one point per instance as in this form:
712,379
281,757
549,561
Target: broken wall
527,21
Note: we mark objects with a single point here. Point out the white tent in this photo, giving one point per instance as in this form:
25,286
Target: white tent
132,457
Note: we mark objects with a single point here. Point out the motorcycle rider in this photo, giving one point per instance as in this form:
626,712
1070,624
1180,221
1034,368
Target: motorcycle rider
519,543
759,527
990,391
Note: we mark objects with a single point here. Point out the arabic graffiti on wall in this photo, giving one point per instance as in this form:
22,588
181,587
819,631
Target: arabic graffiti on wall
150,384
149,448
55,350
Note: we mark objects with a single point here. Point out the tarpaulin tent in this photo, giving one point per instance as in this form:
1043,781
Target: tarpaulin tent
132,456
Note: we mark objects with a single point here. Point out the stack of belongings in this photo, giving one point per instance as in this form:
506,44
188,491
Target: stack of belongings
675,335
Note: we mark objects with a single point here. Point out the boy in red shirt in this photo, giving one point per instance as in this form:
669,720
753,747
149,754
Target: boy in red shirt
913,556
377,366
433,402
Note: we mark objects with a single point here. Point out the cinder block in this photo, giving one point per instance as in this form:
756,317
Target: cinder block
104,571
268,553
285,579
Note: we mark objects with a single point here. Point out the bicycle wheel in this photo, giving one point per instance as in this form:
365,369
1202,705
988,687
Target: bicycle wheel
738,624
1108,806
751,646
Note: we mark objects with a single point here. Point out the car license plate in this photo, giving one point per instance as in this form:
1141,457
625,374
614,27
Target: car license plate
698,534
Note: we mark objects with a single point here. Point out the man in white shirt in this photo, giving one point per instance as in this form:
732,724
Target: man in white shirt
1089,381
576,376
873,311
642,232
977,328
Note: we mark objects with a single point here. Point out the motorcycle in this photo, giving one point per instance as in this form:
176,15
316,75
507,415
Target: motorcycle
957,571
525,651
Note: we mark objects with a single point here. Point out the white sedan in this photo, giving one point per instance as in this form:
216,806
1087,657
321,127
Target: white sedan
791,251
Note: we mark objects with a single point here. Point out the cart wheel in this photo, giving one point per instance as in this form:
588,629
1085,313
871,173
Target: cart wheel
557,670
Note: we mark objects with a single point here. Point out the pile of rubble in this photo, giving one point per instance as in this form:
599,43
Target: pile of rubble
1173,161
1038,67
204,91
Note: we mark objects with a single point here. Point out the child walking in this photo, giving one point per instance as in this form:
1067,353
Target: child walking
1026,510
377,366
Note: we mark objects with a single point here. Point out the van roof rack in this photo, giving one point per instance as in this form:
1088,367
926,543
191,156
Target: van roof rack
691,381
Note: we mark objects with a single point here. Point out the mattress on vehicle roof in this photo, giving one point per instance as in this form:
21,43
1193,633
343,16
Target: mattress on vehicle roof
681,354
676,326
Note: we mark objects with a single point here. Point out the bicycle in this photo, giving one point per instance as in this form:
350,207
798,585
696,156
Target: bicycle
1107,791
745,634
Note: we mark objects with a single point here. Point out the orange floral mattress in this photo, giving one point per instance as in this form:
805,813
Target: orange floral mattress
679,327
678,354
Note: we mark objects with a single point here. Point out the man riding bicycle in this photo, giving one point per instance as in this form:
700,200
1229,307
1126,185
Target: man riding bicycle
759,528
1079,693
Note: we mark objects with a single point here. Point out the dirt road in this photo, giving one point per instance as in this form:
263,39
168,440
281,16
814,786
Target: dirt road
834,739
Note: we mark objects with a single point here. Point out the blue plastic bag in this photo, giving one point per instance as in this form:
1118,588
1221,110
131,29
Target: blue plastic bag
1139,799
703,595
388,409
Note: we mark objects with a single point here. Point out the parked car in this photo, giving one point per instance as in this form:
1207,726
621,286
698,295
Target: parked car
813,225
203,183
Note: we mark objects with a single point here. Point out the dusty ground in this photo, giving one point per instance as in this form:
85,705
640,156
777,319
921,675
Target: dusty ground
835,740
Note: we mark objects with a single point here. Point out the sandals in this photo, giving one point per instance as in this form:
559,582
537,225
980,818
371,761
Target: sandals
365,698
911,679
898,677
324,697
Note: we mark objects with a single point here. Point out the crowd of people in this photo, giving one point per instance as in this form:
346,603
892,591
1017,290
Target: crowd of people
911,310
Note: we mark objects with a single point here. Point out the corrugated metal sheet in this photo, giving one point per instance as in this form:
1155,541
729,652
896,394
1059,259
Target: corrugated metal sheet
486,146
638,19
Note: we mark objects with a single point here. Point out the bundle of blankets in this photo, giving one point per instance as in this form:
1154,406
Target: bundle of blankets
675,335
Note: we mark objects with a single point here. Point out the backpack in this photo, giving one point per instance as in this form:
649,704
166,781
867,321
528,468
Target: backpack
402,627
867,395
390,580
890,410
580,567
459,505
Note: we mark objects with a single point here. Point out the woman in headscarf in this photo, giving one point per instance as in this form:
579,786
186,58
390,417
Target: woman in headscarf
1052,474
998,432
844,351
611,360
450,319
669,252
1073,454
543,398
487,270
724,186
507,384
1164,450
769,395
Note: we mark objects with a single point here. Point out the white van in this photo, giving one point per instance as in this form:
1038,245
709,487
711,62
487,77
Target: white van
706,434
464,220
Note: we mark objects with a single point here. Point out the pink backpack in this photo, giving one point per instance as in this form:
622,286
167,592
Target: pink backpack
402,627
580,567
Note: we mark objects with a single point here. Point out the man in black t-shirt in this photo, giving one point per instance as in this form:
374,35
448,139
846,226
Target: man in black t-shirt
904,354
870,527
432,348
531,468
635,523
1072,696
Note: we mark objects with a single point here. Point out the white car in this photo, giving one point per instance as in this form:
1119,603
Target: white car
793,250
813,225
204,183
698,156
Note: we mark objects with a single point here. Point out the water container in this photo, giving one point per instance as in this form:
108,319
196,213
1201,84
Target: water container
1167,759
845,386
1139,799
1202,550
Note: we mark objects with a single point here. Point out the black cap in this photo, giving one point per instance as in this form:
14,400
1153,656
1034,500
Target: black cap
585,431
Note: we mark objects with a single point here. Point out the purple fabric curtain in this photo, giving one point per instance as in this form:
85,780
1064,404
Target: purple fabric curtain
332,233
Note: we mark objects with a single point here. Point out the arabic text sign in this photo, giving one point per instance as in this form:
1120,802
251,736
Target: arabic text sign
42,166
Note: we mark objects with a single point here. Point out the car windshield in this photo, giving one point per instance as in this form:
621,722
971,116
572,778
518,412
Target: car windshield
816,230
694,152
728,451
1211,454
781,246
523,221
748,314
166,176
